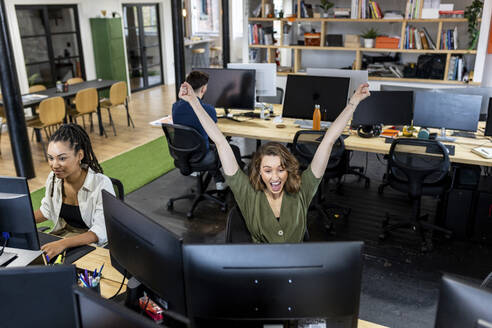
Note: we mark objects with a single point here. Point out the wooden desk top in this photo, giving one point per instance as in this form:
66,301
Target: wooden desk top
111,278
256,128
367,324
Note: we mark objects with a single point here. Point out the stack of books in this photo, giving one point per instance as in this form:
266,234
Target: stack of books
374,10
413,9
418,39
256,34
386,42
341,12
456,68
451,13
449,39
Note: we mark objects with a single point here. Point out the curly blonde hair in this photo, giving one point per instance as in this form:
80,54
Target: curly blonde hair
287,160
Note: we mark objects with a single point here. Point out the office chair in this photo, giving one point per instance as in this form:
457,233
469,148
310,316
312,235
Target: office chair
236,230
417,174
190,154
277,99
118,188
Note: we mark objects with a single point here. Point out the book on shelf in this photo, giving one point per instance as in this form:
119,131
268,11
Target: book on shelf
413,9
449,39
341,12
432,45
418,43
354,9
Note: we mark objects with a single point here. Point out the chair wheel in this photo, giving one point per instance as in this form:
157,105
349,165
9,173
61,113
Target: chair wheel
367,184
189,215
223,208
380,189
170,205
383,236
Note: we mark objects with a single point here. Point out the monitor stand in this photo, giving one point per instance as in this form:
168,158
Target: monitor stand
266,110
228,115
444,137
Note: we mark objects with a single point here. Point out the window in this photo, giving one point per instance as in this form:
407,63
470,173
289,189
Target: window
51,43
205,18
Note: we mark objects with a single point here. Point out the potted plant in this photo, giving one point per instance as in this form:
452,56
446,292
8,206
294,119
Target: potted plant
472,13
326,6
369,36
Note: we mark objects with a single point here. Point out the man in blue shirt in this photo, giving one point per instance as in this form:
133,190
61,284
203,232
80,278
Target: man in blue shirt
183,114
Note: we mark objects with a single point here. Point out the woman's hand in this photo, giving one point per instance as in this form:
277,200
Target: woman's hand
54,248
360,94
186,92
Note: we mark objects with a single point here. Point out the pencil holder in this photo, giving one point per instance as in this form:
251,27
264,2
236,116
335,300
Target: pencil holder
96,289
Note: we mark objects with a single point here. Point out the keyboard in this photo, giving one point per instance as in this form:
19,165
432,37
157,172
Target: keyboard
72,254
308,124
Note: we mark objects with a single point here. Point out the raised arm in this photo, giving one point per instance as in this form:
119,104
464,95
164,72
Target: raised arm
322,155
226,154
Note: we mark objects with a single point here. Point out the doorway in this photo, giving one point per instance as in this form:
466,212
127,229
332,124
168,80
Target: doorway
143,44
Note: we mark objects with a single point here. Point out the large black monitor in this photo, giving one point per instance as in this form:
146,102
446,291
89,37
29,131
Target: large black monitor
231,284
385,107
462,305
37,296
95,312
304,91
230,88
146,250
446,110
16,215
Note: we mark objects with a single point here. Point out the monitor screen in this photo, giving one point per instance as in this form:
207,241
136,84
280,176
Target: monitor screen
96,312
303,92
266,77
264,282
230,88
385,107
446,110
357,77
16,214
146,250
37,296
461,304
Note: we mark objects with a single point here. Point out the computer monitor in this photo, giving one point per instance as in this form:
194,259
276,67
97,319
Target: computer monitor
385,107
304,91
462,304
232,283
446,110
357,77
230,88
266,77
92,311
485,92
16,214
37,296
146,250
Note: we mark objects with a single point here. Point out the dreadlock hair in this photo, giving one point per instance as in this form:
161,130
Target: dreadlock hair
79,140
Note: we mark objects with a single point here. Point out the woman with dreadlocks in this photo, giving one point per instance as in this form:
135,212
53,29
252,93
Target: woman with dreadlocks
73,198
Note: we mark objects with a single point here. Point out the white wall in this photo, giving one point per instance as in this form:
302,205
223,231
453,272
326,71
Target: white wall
87,9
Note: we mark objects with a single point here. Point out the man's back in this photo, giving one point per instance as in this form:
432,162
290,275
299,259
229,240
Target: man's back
183,114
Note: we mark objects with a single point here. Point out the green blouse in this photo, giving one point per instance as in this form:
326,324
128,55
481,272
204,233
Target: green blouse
260,220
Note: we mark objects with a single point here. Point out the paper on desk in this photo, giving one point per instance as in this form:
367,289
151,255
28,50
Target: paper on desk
166,119
33,97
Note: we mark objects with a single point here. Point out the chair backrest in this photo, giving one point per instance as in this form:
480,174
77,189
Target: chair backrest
117,93
75,80
52,111
409,162
306,143
277,99
118,188
236,230
36,88
185,144
86,100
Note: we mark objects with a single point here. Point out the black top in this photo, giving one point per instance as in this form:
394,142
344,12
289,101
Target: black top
71,215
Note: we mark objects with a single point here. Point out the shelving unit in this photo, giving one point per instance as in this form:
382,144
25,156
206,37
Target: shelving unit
297,49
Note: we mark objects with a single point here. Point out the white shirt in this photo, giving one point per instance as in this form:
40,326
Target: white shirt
90,203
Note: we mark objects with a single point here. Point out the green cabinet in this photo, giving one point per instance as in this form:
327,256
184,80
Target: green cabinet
109,50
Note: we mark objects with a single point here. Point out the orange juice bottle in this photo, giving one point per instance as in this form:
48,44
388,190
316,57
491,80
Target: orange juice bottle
316,118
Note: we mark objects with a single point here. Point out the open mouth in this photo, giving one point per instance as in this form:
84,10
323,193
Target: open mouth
276,186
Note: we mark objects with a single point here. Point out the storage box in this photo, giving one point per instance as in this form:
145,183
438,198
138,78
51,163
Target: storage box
334,40
312,39
352,41
386,42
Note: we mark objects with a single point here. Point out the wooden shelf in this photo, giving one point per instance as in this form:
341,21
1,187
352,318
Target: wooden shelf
368,20
418,51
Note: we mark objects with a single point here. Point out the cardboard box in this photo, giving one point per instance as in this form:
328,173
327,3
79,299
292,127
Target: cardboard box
352,41
312,39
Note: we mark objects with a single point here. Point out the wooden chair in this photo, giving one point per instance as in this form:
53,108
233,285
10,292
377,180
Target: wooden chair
75,80
86,102
51,114
117,97
36,88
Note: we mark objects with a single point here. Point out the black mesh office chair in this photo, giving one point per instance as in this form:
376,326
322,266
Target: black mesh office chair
118,188
236,230
413,171
277,99
190,154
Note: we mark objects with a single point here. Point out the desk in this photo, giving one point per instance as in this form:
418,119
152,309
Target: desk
256,128
111,278
72,91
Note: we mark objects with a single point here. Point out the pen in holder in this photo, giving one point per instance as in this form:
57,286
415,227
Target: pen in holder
89,279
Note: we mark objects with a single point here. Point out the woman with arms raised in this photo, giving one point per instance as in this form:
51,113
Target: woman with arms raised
274,200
